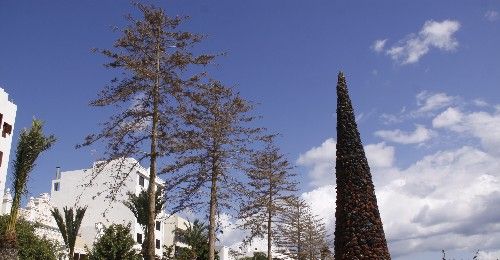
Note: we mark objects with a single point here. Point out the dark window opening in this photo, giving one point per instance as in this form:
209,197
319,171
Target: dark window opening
7,129
139,238
158,244
1,118
141,181
1,157
56,186
158,225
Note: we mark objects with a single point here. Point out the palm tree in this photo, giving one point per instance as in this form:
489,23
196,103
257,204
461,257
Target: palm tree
196,237
69,226
139,205
32,142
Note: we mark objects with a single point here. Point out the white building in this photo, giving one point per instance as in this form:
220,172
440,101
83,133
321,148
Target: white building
87,187
171,224
7,120
38,211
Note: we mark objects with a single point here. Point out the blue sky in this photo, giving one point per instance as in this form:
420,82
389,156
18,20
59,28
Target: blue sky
426,96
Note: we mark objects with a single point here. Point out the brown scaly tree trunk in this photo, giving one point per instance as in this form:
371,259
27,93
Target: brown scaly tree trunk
150,234
359,233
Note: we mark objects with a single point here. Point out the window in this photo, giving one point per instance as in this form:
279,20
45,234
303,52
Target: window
158,244
1,156
1,118
158,225
139,238
7,129
141,181
56,186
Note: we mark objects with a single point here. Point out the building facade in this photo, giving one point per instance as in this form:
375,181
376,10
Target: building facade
7,120
96,188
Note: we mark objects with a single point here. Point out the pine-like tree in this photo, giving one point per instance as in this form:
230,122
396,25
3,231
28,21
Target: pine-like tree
315,236
69,225
221,137
32,142
359,233
290,232
271,184
156,62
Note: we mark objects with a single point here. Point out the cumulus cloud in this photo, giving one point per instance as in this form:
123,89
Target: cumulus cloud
451,117
482,125
446,200
321,162
378,45
439,35
420,135
491,15
380,155
428,101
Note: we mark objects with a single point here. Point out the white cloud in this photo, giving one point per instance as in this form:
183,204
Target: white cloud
420,135
482,125
439,35
446,200
450,117
379,155
427,101
378,45
322,202
480,103
321,161
491,15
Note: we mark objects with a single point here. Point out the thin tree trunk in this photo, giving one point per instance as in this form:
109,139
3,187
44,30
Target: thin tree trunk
269,216
11,226
213,205
150,235
299,242
8,248
269,237
72,253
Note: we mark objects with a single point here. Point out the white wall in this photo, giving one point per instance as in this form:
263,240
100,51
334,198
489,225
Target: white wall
8,111
74,189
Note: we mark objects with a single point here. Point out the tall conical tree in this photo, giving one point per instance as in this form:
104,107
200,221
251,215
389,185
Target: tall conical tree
358,228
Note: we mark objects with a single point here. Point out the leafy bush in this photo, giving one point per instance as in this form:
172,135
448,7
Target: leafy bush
30,245
115,244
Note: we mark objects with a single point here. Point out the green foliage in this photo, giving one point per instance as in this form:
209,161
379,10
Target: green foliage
69,226
139,205
115,244
30,245
256,256
32,142
196,237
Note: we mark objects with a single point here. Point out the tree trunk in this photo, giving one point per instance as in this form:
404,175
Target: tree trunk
213,205
269,237
299,242
10,231
71,253
269,216
150,234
